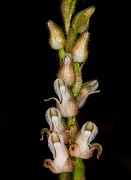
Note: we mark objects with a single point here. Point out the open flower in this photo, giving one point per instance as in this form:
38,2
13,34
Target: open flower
66,103
87,89
62,162
82,147
54,119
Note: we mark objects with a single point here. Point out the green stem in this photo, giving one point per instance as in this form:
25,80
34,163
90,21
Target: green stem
70,40
73,126
65,176
61,54
78,84
79,170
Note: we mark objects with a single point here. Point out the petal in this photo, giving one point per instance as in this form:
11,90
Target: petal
48,118
48,163
87,89
43,131
68,108
90,126
61,154
94,132
69,165
95,146
57,88
51,145
74,150
66,135
53,117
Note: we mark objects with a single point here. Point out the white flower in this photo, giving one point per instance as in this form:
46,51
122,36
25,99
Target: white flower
54,119
82,147
62,162
87,89
66,103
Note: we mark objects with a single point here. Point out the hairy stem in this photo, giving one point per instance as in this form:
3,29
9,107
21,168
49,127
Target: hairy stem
65,176
79,170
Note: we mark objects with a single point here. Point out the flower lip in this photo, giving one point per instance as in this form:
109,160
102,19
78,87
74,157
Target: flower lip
87,89
54,119
82,147
62,161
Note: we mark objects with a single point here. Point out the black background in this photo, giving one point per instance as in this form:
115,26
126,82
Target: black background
29,69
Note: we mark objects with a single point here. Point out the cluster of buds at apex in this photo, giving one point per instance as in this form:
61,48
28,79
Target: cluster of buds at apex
79,51
56,39
66,103
62,161
82,147
66,70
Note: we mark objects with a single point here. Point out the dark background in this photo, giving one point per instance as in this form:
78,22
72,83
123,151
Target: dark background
29,70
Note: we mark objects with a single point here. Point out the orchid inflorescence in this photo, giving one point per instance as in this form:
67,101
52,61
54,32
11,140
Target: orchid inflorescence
66,141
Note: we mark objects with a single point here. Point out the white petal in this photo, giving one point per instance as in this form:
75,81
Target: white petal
93,133
51,145
57,88
48,118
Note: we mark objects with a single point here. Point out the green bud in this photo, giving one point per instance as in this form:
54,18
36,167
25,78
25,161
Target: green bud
57,39
80,22
80,49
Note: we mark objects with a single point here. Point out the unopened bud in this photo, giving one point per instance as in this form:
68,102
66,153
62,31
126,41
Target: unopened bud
57,39
80,49
81,20
66,71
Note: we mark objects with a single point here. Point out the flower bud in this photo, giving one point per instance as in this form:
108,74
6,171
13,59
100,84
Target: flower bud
80,22
67,10
80,49
56,39
66,70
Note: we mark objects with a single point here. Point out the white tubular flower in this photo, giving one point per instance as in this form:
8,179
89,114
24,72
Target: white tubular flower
66,70
66,103
87,89
54,119
82,147
62,161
